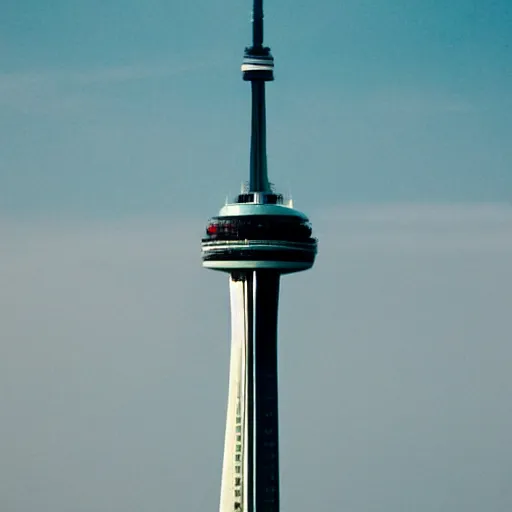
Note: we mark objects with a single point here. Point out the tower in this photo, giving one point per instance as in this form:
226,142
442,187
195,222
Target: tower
256,239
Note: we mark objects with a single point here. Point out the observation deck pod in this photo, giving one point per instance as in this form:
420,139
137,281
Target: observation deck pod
258,65
259,232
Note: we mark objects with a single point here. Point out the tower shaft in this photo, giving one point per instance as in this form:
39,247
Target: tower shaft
250,476
257,238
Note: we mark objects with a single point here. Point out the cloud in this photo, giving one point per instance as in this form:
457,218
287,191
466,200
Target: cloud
394,358
425,228
419,101
44,91
108,75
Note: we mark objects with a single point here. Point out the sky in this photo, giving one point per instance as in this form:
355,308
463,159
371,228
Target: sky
124,125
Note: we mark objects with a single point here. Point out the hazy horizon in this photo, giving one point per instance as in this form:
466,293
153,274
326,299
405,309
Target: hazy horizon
394,364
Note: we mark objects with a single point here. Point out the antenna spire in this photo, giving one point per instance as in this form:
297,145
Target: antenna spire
257,23
258,68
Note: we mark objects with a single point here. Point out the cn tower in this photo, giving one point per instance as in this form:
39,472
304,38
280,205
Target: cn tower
256,239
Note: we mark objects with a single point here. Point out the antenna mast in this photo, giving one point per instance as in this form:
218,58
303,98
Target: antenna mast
257,23
258,68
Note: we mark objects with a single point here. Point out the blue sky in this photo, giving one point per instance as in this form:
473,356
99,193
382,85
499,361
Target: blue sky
124,125
120,108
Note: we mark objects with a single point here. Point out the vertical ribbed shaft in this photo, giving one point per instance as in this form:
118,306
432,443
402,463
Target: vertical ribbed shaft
250,394
266,297
250,476
258,181
234,468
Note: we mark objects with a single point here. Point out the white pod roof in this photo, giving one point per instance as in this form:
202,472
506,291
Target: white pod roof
235,210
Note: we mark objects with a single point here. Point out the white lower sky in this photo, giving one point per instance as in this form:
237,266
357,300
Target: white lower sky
395,360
